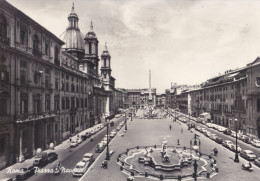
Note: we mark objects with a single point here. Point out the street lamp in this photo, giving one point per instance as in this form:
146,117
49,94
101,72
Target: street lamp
195,144
125,122
236,154
107,157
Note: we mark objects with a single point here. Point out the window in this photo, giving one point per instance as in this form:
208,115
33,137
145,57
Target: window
23,72
56,83
63,103
36,104
4,75
22,37
47,102
62,125
89,48
24,103
3,106
3,27
258,105
67,124
72,87
47,78
2,147
86,102
105,62
67,86
67,103
56,54
56,102
47,49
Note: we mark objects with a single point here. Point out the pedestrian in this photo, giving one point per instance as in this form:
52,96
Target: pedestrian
170,126
181,130
178,142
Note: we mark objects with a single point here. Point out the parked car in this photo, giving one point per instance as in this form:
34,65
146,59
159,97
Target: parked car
92,132
227,132
198,128
227,143
248,154
41,159
244,138
88,134
233,148
257,162
112,123
52,156
233,134
209,125
118,128
221,129
74,143
88,157
118,116
203,130
80,168
106,138
255,143
213,137
25,173
219,140
79,140
112,134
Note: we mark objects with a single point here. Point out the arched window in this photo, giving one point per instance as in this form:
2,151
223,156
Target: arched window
3,27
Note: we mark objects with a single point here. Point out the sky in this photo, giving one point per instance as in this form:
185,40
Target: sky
180,41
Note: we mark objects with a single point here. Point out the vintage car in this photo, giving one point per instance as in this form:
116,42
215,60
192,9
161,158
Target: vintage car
233,148
89,157
257,162
255,143
25,173
227,143
80,168
52,156
100,147
248,155
41,159
73,143
219,140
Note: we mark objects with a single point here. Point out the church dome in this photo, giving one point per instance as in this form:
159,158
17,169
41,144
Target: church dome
72,37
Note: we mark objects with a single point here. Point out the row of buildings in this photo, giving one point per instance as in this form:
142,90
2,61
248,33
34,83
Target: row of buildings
233,96
50,87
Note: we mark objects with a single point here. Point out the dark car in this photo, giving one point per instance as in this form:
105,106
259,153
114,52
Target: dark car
219,140
41,159
88,134
112,123
25,173
227,132
52,156
257,162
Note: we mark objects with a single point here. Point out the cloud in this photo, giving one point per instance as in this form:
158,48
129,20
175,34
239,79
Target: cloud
180,41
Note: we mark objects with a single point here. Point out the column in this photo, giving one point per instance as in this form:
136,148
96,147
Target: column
21,157
107,106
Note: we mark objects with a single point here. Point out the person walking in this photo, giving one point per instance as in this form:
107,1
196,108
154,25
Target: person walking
181,130
170,126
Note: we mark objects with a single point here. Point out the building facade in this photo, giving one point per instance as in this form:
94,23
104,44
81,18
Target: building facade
50,88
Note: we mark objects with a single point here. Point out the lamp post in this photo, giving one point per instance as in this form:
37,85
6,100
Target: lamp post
107,157
236,154
195,144
125,122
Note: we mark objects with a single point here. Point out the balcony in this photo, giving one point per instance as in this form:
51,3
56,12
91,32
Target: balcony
36,53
